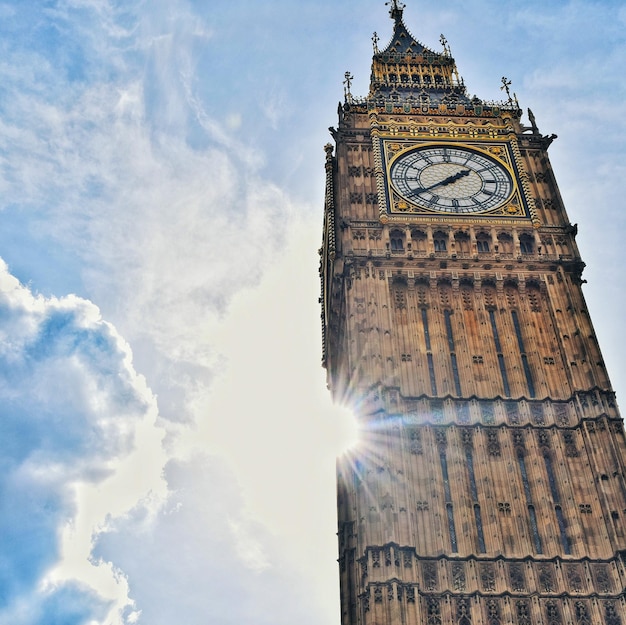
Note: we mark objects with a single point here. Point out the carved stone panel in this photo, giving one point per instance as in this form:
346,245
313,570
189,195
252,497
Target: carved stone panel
488,577
429,573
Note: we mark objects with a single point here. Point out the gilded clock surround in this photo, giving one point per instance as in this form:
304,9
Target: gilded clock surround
514,205
490,484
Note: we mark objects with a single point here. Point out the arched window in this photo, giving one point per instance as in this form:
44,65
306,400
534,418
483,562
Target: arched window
418,241
440,241
505,243
396,241
483,242
526,244
462,242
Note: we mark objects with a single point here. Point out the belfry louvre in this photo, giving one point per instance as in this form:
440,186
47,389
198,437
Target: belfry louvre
488,486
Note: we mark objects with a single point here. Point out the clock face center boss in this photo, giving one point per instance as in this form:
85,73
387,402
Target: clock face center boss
450,179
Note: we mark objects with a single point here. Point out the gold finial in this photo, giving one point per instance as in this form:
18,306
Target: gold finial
396,9
375,41
347,84
446,47
506,83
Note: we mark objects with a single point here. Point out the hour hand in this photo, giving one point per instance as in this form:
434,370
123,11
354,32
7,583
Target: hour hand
449,179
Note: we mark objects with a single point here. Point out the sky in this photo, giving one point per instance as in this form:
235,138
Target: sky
167,443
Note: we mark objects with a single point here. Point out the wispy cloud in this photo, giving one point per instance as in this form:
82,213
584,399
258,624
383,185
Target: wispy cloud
167,232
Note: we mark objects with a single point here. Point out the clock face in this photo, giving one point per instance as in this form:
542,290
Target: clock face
451,179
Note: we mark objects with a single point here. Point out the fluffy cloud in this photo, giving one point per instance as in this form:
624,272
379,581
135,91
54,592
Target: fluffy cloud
203,560
95,531
91,527
77,425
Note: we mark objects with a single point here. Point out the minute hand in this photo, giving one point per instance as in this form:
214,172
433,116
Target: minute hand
449,180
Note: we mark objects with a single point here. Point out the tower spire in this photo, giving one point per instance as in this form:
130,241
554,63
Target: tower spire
406,70
395,9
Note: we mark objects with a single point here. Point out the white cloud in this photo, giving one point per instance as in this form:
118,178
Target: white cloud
167,233
185,565
78,431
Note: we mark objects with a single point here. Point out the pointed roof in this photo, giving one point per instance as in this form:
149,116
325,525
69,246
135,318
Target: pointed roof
408,70
402,41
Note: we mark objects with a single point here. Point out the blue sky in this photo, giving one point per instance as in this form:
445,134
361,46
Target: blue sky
167,443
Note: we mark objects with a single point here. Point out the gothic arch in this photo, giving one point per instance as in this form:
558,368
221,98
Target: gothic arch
533,292
399,290
526,243
418,240
396,240
462,242
445,293
483,241
488,288
511,292
505,243
466,287
422,288
440,241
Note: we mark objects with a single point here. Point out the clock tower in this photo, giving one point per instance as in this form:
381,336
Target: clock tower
488,486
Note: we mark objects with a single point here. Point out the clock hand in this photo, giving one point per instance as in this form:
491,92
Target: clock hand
449,180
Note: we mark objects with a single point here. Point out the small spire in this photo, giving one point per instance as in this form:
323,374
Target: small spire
533,122
347,84
506,83
395,10
375,41
446,46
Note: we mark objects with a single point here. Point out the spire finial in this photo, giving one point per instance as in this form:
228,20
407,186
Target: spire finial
375,41
506,83
347,84
446,46
395,10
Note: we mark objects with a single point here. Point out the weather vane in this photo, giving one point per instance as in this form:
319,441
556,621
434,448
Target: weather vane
375,41
347,83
